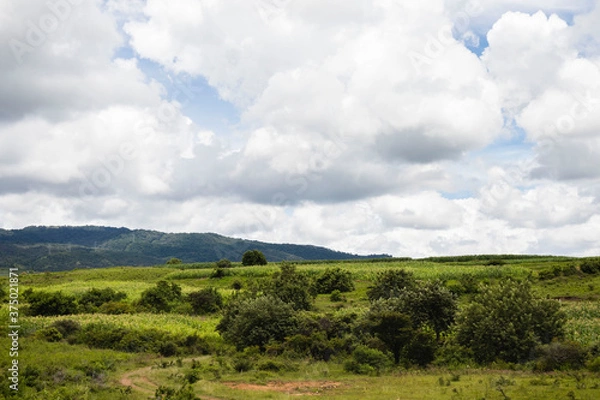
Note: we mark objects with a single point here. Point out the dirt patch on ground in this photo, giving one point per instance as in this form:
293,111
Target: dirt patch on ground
134,378
298,388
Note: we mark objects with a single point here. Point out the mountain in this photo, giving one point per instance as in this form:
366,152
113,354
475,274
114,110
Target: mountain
45,248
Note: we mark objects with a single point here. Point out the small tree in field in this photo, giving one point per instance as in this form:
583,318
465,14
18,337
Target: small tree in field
254,257
390,283
257,321
507,322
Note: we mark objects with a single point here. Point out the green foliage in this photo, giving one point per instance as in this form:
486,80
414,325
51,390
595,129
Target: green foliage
50,334
161,298
167,393
430,305
561,356
205,301
291,287
224,263
174,261
254,257
590,266
506,322
51,303
257,321
390,283
335,296
392,328
367,361
116,308
421,348
94,298
334,279
66,327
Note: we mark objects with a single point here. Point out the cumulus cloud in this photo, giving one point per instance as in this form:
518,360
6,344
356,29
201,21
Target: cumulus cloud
357,121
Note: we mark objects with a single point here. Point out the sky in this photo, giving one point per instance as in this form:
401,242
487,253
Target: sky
436,127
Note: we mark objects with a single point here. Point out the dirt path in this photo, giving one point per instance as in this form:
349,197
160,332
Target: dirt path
138,380
132,378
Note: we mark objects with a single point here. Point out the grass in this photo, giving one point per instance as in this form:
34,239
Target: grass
217,380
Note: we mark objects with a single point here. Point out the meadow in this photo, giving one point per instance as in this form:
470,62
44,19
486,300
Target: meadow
65,367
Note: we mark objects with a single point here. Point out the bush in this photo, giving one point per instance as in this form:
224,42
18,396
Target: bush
367,361
590,266
161,298
174,261
291,287
506,322
254,257
334,279
218,273
67,327
224,263
51,304
561,356
94,298
205,301
421,348
50,334
255,322
336,295
168,349
116,308
390,283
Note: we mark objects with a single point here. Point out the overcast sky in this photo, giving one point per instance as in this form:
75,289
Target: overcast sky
414,128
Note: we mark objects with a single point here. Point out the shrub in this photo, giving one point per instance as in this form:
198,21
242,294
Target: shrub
224,263
506,322
291,287
51,304
593,365
255,322
162,297
168,349
50,334
590,266
66,327
218,273
367,361
421,348
236,285
561,356
334,279
94,298
205,301
390,283
336,295
116,308
254,257
174,261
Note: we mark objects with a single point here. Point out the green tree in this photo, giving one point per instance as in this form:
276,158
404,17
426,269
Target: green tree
334,279
205,301
174,261
162,297
390,283
430,304
257,321
505,321
392,328
224,263
254,257
291,287
51,303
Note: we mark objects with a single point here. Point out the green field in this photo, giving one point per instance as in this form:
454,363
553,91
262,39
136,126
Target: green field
64,368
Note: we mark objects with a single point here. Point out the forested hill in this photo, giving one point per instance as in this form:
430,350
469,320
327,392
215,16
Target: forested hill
41,248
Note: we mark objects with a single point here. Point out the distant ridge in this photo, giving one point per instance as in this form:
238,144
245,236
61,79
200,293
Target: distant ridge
46,248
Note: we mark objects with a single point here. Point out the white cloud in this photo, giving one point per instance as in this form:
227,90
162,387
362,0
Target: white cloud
354,119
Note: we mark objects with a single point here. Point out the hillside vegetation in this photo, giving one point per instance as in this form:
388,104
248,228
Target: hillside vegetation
475,327
64,248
